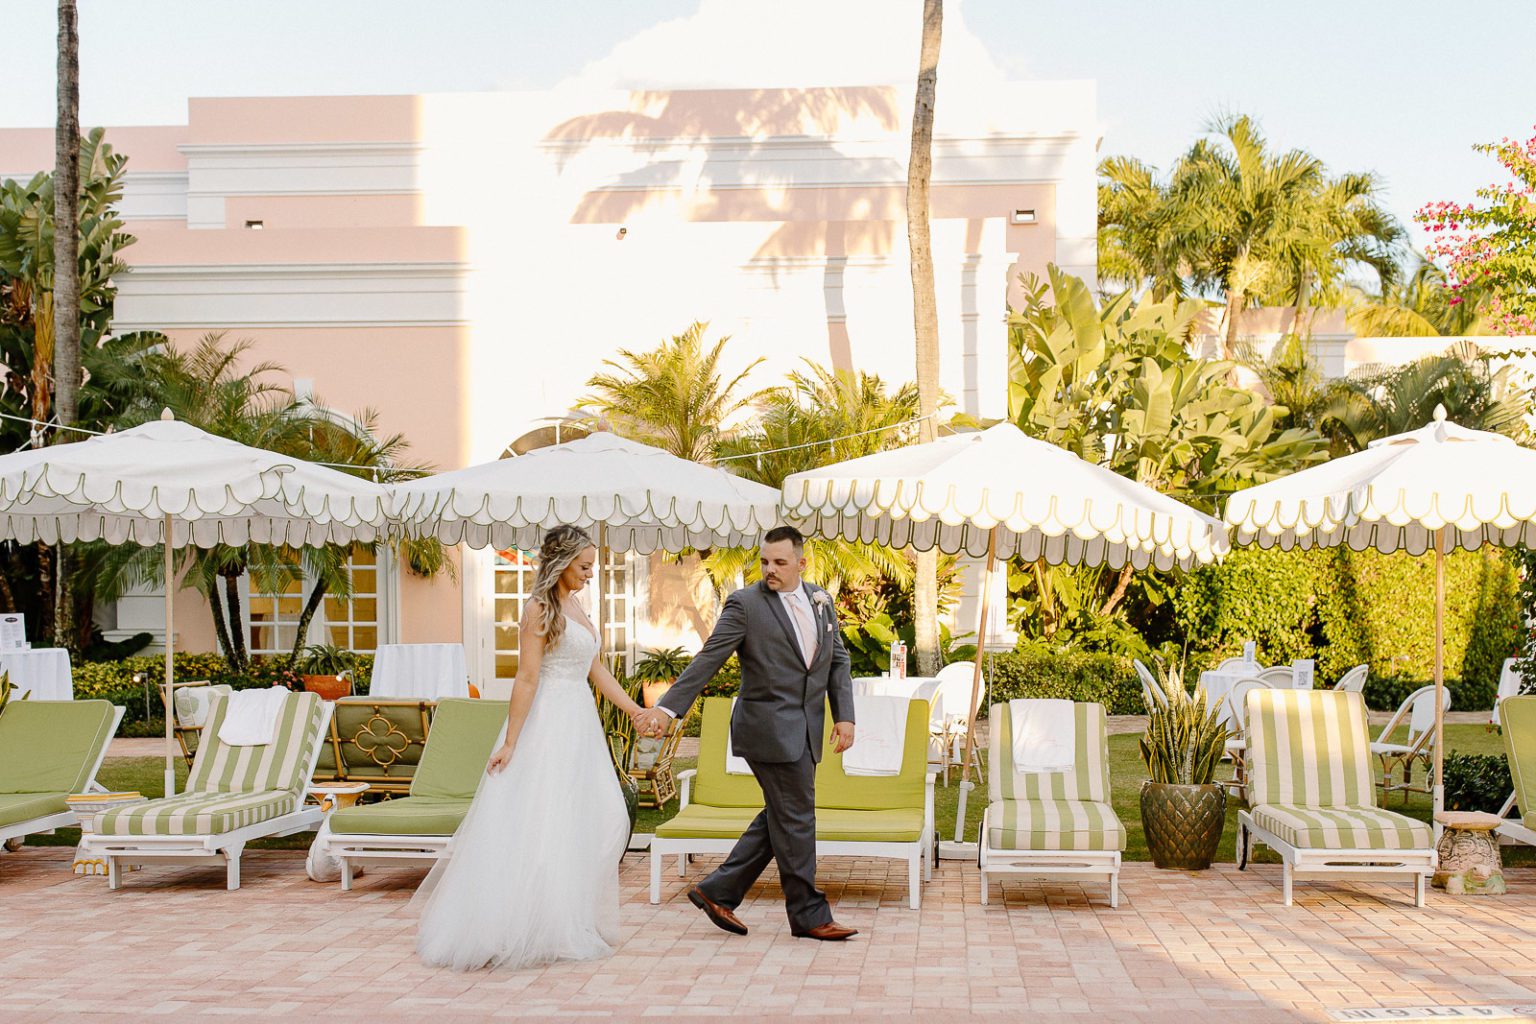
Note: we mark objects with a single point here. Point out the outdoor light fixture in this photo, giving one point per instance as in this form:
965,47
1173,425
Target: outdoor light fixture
1023,217
619,237
254,225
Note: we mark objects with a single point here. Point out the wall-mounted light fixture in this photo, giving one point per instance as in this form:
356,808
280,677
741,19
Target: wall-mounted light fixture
619,235
1022,217
254,225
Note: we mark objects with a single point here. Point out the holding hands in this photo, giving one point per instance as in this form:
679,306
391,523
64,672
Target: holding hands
651,722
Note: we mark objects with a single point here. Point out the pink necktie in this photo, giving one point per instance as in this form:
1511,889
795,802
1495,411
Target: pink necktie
806,627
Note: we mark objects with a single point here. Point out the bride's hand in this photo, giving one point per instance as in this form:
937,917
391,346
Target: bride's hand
500,759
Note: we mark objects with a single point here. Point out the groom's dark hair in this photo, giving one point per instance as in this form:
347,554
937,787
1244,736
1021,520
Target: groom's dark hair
788,533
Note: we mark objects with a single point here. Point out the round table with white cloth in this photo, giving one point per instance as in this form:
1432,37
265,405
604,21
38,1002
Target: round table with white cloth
419,671
44,673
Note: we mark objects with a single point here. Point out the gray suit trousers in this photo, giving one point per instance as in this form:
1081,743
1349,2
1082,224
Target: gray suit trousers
786,832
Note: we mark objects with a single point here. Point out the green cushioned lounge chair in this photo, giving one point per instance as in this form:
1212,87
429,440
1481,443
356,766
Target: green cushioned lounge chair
49,749
1051,824
1312,794
1517,715
233,795
856,815
418,827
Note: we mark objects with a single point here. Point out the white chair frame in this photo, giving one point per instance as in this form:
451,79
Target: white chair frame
1079,865
1307,864
63,819
918,855
1354,680
223,847
356,851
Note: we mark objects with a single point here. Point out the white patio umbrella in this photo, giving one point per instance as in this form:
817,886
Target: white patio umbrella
635,497
1004,494
170,479
1438,488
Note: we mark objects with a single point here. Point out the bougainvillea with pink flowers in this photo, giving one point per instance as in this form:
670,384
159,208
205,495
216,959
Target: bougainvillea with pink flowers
1491,244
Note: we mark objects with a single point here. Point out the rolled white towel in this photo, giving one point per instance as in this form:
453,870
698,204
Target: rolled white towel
250,719
881,738
1044,735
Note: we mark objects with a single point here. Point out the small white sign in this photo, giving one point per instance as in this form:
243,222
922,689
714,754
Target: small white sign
1250,652
13,632
1304,673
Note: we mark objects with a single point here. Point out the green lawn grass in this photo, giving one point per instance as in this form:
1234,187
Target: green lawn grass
1125,769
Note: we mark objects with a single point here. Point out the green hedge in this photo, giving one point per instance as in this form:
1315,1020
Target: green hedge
1476,782
1104,678
1343,607
113,681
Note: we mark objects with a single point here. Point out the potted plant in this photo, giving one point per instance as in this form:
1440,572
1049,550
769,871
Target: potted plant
657,671
326,670
1183,811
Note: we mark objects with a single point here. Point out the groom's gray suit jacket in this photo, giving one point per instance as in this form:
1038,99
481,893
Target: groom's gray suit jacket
780,712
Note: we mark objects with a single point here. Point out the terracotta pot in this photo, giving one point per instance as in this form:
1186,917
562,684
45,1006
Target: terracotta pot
328,687
650,693
1183,824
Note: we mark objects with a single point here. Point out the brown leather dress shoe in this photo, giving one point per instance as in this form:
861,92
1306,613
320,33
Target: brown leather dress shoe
829,932
721,917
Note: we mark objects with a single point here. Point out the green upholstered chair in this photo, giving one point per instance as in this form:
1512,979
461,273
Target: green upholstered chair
49,749
1312,794
1051,824
1517,716
856,815
375,740
418,827
233,795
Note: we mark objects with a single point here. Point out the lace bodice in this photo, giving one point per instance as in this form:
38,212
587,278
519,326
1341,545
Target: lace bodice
572,657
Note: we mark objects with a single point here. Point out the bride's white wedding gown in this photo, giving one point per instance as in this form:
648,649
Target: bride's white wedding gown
532,874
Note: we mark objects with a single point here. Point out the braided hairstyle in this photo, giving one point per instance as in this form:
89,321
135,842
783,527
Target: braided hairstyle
561,547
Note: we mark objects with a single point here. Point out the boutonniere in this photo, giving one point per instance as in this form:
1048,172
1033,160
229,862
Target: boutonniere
822,599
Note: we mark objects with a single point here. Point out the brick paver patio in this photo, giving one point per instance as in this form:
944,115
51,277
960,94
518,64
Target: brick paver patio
1217,946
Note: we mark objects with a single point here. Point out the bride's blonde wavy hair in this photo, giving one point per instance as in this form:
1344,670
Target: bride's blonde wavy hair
560,548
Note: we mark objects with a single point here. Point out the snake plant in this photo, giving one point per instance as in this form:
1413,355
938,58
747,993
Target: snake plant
1185,737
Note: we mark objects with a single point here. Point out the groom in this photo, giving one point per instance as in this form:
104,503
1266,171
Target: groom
792,660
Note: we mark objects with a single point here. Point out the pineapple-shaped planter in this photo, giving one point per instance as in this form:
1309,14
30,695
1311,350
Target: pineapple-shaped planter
1183,812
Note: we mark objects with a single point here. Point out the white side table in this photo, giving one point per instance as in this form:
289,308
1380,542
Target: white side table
90,806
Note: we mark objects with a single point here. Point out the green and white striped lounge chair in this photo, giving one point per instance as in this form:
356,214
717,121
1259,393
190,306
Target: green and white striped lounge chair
49,749
1051,824
233,795
1517,715
1312,794
856,815
418,827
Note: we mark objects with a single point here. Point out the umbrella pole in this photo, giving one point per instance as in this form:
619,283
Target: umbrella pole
970,723
602,585
1439,784
170,693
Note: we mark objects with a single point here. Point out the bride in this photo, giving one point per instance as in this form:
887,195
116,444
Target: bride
532,874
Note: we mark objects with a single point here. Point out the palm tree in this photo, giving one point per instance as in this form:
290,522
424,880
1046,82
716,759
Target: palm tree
1418,306
1378,402
66,217
925,315
791,433
1238,221
674,396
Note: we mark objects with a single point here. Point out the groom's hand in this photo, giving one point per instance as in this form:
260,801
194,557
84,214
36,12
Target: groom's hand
842,736
652,722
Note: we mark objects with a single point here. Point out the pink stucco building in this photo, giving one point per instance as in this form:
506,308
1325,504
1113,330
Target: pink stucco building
463,263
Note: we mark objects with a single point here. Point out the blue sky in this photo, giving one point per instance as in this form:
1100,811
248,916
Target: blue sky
1393,87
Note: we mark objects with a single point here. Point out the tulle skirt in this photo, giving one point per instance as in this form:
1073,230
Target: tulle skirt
531,876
